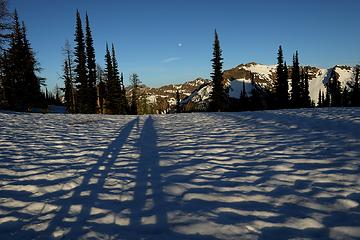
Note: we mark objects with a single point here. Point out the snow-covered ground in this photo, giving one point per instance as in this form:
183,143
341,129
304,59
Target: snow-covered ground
289,174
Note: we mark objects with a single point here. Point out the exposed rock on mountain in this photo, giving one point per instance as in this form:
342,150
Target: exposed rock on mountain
265,76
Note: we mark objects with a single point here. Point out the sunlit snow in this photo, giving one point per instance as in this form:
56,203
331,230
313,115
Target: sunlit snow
291,174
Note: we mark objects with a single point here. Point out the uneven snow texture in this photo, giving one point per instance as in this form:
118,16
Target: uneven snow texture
289,174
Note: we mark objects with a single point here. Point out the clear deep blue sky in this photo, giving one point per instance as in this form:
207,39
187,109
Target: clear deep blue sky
147,33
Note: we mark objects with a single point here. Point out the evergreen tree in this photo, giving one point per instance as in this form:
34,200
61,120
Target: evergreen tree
8,82
124,101
355,88
110,81
32,82
345,97
243,93
115,90
80,69
21,84
306,91
281,85
243,100
120,107
320,99
91,69
101,89
295,82
334,88
286,76
255,95
305,100
178,107
219,96
5,28
13,80
68,77
301,88
5,25
57,95
327,97
135,83
68,89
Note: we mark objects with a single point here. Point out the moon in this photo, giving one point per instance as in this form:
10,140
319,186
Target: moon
179,44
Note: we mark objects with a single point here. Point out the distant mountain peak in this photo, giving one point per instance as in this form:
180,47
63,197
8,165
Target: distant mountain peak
161,98
265,76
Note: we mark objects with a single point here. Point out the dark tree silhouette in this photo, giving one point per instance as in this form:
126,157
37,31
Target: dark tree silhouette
120,103
320,99
5,24
281,85
295,82
124,101
355,88
306,91
30,67
80,69
91,69
68,89
178,107
305,100
101,88
244,99
326,102
334,88
5,27
21,84
256,98
345,97
219,98
111,85
68,77
135,83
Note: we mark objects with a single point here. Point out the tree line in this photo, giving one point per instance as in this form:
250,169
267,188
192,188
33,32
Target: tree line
90,88
20,84
278,96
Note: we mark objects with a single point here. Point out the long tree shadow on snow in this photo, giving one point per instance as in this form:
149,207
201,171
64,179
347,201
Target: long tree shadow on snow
261,174
150,205
99,171
148,174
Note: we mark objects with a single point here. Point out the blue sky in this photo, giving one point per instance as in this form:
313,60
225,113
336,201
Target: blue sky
170,41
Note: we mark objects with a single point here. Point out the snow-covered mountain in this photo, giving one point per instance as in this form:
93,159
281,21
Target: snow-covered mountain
165,96
195,94
265,76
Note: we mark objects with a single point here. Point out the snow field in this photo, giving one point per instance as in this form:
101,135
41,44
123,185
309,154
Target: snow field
287,174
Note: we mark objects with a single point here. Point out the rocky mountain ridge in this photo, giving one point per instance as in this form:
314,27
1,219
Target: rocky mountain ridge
163,98
197,91
265,76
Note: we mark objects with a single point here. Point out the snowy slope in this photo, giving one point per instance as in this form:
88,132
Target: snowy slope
318,83
236,87
202,93
168,92
263,71
259,175
322,77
